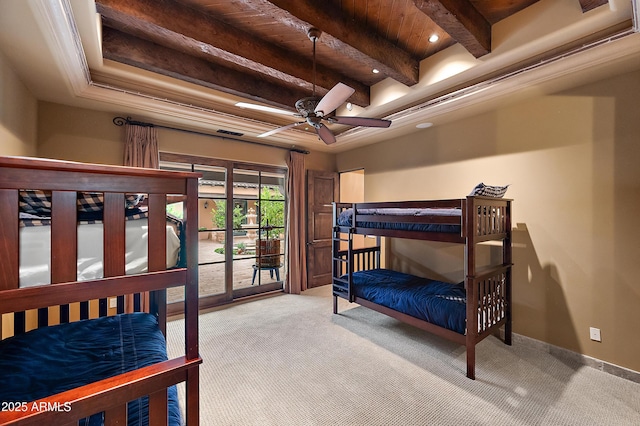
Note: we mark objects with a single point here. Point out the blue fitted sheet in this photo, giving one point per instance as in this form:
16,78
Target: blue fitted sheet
437,302
345,218
54,359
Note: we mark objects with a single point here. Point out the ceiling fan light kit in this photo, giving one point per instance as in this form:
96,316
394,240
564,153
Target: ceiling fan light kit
315,109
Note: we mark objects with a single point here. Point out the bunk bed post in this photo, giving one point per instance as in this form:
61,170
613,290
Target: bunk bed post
470,219
507,259
9,235
352,231
191,302
335,248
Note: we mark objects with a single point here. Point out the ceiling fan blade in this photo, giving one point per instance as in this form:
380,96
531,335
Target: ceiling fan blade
325,134
361,121
279,129
333,99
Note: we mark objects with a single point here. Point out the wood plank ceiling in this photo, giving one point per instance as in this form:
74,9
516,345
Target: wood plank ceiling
260,50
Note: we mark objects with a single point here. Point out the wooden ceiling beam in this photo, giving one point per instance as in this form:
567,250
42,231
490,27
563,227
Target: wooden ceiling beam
462,21
188,30
131,50
346,36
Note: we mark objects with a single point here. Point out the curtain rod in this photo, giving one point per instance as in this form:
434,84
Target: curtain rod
121,121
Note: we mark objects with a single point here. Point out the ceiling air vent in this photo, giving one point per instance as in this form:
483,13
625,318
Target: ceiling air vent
229,132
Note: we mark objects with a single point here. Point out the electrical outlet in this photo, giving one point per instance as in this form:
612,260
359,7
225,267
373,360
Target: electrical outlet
594,334
113,302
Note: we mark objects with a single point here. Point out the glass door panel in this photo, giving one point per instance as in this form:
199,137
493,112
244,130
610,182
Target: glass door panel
245,194
262,194
211,229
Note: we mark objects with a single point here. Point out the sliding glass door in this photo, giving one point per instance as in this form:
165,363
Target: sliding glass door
242,224
259,229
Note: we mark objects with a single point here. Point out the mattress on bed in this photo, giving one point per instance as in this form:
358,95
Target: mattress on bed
35,251
345,218
54,359
437,302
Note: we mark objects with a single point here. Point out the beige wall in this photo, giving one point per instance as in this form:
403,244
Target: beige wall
352,191
572,161
78,134
18,114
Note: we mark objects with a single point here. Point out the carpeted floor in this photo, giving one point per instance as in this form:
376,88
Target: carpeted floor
287,360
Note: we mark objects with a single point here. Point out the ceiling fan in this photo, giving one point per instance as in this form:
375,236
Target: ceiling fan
315,109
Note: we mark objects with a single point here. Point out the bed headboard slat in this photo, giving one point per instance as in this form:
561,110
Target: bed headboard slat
114,234
157,243
64,240
9,261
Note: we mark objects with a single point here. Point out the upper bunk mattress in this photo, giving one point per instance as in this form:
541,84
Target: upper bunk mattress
437,302
346,218
49,360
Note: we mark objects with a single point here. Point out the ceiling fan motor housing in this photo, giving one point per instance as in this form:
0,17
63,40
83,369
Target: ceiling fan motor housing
306,106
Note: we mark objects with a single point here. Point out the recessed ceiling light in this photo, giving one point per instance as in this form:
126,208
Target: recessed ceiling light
263,108
349,106
423,125
434,38
375,70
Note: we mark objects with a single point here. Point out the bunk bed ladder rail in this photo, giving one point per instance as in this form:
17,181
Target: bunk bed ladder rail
349,260
341,264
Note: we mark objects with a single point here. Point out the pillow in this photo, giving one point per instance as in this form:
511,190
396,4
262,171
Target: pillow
94,202
489,191
132,200
90,202
35,202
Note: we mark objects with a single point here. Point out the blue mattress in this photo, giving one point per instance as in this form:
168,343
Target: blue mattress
437,302
346,218
54,359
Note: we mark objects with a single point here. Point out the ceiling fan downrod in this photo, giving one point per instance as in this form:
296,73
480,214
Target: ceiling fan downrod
314,35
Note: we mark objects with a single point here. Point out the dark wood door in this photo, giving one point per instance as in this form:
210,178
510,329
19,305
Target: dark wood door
322,190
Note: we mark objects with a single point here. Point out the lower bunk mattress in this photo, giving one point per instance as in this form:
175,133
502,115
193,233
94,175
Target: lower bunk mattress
437,302
54,359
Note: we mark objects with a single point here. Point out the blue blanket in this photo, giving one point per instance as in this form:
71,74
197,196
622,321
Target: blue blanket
54,359
437,302
346,218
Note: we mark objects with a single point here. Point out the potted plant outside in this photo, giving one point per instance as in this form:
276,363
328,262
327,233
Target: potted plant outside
271,220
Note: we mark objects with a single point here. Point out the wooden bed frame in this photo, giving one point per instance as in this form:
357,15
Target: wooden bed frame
488,289
64,179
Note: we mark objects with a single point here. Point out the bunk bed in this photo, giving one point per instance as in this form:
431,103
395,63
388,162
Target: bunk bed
69,355
465,312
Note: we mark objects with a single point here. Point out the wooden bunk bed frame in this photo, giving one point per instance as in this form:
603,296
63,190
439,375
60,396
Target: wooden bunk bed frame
488,289
64,180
